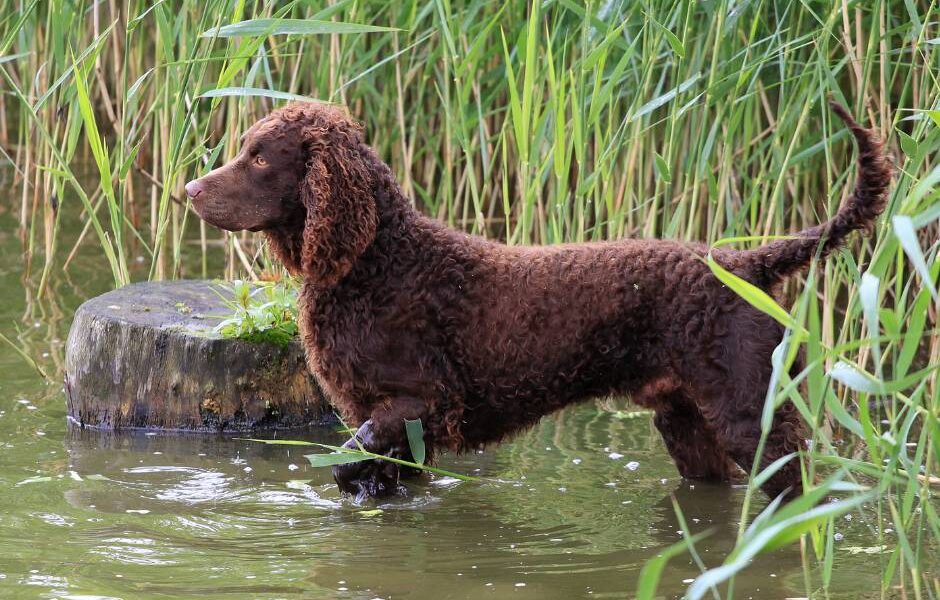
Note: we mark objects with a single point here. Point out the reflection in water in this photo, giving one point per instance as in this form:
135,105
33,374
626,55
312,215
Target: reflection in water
555,516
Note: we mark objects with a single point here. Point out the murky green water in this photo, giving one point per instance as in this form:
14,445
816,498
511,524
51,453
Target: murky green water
560,513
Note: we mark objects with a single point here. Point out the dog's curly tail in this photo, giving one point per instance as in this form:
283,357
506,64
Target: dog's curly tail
778,260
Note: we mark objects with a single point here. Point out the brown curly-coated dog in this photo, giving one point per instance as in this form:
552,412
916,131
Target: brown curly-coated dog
404,318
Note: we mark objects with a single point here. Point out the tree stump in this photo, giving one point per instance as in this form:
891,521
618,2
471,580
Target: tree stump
146,356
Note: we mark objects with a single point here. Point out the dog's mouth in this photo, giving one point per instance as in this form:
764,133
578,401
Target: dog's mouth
217,216
228,215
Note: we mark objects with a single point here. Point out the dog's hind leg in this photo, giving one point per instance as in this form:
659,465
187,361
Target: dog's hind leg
692,444
731,398
742,436
688,438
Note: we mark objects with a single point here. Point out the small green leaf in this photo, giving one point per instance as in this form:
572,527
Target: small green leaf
841,415
662,168
673,40
856,379
415,431
339,455
908,144
406,463
664,98
935,115
889,322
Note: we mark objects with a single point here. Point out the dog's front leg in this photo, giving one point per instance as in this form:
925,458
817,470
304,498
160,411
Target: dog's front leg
369,478
383,433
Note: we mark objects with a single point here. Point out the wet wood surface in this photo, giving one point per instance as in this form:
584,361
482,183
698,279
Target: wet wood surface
146,357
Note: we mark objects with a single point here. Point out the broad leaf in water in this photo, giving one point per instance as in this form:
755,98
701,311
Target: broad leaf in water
339,456
406,463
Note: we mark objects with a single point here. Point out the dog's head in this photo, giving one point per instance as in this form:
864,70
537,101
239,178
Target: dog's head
303,167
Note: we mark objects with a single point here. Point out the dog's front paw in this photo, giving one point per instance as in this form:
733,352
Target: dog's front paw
368,478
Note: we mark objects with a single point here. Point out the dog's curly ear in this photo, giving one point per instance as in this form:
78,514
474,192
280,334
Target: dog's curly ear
339,197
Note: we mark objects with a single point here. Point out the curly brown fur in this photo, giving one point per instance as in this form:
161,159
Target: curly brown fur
775,262
403,318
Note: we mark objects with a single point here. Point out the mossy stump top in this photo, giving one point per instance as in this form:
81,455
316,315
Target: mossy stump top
146,356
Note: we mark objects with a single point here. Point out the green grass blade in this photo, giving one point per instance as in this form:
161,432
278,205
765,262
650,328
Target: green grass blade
752,294
256,27
336,458
904,229
239,92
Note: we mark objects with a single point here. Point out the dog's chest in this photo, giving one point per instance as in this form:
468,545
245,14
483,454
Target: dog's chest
358,348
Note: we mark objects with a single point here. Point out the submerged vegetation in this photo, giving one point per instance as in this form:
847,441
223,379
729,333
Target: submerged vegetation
544,122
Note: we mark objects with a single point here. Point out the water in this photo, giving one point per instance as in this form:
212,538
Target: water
558,514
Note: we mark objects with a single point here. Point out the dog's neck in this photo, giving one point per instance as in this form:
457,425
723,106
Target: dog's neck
395,210
286,241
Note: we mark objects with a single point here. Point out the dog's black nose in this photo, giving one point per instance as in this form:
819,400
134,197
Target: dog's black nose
193,188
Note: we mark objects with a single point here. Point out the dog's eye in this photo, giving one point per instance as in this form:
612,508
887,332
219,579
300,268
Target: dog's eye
259,160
